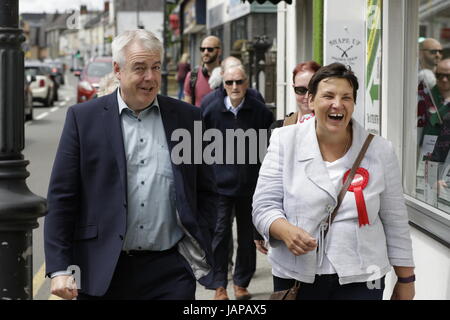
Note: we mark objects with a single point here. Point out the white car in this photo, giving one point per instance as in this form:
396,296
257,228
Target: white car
43,87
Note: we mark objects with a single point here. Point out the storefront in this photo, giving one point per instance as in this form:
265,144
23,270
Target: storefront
193,19
242,26
380,41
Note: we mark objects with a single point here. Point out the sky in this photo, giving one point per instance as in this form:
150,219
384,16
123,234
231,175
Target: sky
49,6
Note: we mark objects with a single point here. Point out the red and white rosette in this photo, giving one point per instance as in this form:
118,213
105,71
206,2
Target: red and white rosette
360,181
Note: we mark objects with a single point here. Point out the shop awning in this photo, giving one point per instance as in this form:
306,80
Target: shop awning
273,1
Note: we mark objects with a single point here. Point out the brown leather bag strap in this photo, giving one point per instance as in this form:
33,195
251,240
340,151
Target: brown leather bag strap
356,164
292,119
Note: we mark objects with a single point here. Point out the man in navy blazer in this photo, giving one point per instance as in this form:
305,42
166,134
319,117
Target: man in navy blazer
131,222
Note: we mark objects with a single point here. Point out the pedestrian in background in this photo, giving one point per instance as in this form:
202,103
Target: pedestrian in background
234,108
297,191
196,84
136,225
183,68
301,76
430,53
107,85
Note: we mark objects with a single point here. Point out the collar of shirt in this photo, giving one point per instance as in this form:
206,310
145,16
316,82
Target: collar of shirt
230,107
124,106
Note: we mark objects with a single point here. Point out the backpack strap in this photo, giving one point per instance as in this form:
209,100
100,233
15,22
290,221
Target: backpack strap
193,82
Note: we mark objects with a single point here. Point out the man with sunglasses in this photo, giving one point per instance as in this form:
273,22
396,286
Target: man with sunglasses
438,108
430,53
196,84
441,94
233,109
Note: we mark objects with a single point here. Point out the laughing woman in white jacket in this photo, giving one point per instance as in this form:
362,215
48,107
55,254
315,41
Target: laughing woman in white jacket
297,190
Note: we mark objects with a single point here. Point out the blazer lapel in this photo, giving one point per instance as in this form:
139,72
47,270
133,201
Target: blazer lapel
113,128
309,153
169,118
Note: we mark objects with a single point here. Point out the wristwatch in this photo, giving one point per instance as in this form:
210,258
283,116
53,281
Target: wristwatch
407,279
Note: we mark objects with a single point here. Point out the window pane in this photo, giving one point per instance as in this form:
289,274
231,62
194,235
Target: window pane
433,124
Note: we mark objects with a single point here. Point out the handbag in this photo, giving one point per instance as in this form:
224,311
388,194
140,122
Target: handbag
291,293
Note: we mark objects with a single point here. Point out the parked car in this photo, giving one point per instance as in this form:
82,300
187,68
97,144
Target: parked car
90,77
43,88
28,98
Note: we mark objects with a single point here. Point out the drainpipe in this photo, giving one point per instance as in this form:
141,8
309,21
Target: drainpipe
318,31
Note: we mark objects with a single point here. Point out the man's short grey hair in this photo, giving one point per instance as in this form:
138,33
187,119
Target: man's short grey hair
229,62
146,38
236,66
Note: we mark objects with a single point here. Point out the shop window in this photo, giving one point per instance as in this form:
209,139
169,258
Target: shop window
431,187
239,29
433,174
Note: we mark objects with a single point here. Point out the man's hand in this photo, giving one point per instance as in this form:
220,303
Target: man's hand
261,246
64,287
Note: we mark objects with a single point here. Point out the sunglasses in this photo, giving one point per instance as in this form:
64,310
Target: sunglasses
209,49
230,82
441,76
301,91
434,51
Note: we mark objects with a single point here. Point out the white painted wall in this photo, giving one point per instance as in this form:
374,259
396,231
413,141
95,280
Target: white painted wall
432,261
344,41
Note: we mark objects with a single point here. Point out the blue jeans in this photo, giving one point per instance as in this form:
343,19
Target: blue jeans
180,90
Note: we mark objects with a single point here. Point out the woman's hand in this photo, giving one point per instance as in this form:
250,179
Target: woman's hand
261,246
297,240
403,291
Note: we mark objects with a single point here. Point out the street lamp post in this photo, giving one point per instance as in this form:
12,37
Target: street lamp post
164,72
19,208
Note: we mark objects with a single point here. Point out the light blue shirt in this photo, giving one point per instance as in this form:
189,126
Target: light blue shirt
230,107
152,218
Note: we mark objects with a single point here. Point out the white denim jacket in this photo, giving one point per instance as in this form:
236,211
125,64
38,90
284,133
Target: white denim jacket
294,184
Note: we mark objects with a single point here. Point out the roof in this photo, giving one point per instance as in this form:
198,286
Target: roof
57,21
34,19
94,21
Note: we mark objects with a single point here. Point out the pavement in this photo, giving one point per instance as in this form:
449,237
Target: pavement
261,285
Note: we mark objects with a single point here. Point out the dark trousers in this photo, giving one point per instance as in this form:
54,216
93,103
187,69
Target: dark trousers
150,275
245,264
327,287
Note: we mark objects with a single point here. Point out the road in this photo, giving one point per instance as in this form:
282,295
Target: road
41,140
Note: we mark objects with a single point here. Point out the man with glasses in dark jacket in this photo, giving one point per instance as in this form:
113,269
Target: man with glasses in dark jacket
234,110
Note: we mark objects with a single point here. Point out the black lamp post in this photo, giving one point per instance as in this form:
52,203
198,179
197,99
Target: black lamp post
164,71
19,208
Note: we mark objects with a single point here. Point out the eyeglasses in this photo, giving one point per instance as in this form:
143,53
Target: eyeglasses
209,49
441,76
230,82
434,51
301,91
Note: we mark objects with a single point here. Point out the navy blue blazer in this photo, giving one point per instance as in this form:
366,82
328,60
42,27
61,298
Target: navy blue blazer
87,196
